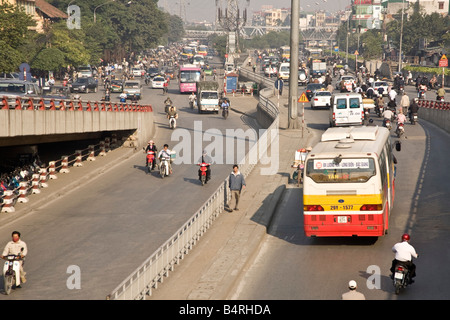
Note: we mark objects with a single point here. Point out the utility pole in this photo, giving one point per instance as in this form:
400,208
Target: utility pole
401,39
293,74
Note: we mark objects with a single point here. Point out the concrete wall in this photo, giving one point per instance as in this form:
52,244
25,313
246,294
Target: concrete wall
26,125
440,118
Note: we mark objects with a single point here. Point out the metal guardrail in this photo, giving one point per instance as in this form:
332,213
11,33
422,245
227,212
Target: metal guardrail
146,277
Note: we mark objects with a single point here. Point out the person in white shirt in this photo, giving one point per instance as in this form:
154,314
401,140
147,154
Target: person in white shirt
404,252
392,94
19,248
352,294
387,115
165,152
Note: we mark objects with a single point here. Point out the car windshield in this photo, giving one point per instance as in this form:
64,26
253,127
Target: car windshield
210,95
153,70
323,94
158,79
12,87
132,85
82,80
346,171
314,86
116,83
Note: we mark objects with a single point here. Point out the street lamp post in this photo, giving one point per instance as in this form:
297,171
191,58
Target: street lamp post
95,17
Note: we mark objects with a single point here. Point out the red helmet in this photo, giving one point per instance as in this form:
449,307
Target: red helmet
405,237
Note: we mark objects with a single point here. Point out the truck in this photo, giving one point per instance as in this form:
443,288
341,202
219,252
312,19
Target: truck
208,96
318,67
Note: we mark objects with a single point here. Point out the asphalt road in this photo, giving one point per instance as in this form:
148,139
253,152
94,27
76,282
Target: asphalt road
290,266
107,228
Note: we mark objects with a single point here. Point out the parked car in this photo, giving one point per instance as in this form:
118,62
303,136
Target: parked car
321,99
117,86
311,88
84,85
17,88
131,88
158,82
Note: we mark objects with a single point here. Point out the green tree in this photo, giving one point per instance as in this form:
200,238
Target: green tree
14,23
48,59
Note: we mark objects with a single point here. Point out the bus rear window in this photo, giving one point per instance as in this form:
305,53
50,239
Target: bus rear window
355,170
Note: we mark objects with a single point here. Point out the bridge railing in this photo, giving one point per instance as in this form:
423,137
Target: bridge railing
149,274
38,103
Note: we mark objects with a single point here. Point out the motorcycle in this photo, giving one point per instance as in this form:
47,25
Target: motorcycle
440,98
401,277
172,122
380,110
150,160
422,94
400,130
387,124
366,116
11,272
414,118
225,112
164,167
203,172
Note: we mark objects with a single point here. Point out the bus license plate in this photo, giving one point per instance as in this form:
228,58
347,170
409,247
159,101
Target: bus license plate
342,219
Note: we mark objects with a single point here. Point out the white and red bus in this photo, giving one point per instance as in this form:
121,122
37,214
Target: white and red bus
349,180
189,75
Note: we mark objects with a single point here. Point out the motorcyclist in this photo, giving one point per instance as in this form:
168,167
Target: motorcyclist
413,108
165,152
172,112
15,247
403,254
205,159
440,93
167,103
401,118
151,147
387,115
192,99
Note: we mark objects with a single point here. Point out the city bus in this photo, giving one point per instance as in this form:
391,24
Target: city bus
203,50
285,53
189,75
187,53
349,183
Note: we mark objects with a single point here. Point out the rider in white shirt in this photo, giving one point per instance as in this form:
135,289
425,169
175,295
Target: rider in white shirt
404,252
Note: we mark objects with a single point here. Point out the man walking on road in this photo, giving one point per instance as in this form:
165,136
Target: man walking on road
237,183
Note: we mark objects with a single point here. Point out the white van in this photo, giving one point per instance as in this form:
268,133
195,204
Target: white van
284,71
346,110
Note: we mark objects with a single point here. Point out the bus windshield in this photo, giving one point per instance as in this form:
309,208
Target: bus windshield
189,76
354,170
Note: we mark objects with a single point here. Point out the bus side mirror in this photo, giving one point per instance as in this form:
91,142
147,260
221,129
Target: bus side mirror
398,146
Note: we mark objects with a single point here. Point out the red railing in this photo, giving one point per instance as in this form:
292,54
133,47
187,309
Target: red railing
71,105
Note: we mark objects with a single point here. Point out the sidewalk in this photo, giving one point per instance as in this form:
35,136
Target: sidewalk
213,268
68,182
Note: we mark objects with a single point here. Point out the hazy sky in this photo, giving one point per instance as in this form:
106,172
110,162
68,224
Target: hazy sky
200,10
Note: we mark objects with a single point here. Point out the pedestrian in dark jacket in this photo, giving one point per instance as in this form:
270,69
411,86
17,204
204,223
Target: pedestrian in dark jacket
236,183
